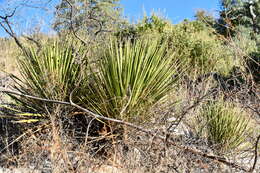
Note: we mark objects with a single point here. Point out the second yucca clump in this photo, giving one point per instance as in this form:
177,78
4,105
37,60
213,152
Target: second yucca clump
226,125
131,77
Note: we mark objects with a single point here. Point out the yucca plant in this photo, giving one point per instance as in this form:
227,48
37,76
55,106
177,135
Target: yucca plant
51,73
130,78
226,125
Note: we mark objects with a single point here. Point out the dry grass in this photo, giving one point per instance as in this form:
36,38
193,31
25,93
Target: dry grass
55,147
63,144
135,153
8,53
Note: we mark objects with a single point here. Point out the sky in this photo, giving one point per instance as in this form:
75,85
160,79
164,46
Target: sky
174,10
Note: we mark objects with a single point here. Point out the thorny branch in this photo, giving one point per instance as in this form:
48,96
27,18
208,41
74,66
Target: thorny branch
147,131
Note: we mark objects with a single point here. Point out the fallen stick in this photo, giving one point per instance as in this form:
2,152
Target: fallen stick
163,138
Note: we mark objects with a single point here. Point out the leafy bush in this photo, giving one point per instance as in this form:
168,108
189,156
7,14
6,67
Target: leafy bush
245,49
226,125
192,41
147,27
243,41
131,77
200,48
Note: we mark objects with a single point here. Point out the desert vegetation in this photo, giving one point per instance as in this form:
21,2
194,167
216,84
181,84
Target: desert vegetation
106,95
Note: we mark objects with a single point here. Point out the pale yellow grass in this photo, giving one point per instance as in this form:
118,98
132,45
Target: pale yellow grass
8,53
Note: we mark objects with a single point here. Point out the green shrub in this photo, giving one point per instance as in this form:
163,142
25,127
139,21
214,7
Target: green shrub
147,27
243,42
192,41
200,48
131,77
226,125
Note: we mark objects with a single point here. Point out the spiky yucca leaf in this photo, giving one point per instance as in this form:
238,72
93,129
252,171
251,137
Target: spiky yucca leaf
131,78
19,116
51,73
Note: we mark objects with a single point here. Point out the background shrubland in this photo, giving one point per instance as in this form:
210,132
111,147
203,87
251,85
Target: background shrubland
196,83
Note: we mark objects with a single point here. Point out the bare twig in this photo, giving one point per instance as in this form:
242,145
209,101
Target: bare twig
32,97
187,110
5,24
18,138
89,124
41,6
72,26
37,43
149,132
256,154
8,16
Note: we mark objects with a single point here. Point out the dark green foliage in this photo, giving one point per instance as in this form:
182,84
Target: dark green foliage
237,12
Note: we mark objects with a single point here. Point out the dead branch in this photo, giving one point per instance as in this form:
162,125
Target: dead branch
149,132
5,24
86,136
42,6
36,42
256,154
32,97
72,26
187,110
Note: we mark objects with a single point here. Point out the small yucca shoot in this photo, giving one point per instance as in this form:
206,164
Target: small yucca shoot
227,126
